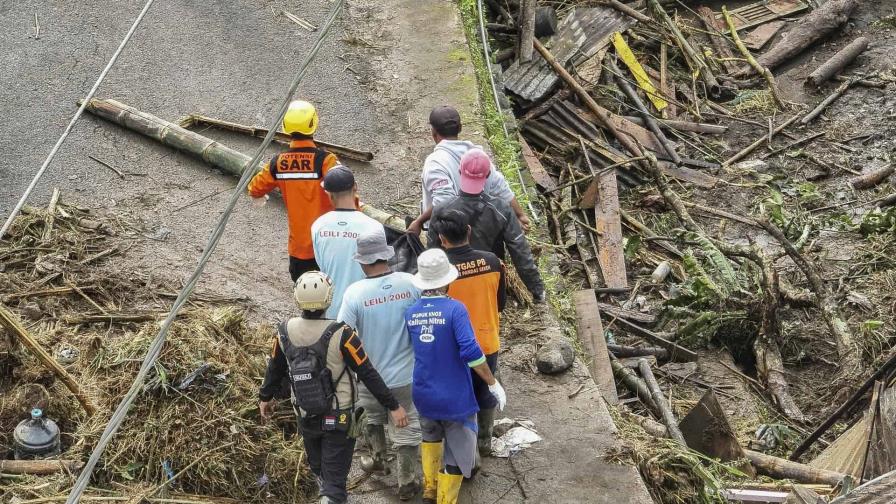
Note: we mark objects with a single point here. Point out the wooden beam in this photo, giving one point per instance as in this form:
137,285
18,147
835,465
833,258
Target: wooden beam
609,226
536,169
590,330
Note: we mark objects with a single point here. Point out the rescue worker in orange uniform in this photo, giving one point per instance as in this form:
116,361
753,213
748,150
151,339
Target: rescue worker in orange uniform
298,173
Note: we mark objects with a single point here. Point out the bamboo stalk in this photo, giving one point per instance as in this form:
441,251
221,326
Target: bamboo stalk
785,469
827,101
39,467
659,399
642,109
12,323
632,382
694,59
765,72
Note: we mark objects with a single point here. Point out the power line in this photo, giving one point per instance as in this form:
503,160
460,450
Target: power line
155,347
71,124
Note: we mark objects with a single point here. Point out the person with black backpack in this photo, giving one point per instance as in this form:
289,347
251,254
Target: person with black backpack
322,359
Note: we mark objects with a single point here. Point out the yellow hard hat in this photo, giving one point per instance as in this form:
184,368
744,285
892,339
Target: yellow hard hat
301,117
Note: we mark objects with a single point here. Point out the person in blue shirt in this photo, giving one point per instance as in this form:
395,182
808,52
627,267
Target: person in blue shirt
445,349
375,307
335,234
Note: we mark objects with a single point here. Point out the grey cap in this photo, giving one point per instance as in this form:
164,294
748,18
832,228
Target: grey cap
372,247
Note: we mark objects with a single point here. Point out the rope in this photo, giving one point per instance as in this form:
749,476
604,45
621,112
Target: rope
71,124
155,347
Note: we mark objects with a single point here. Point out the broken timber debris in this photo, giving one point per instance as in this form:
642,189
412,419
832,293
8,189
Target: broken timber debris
40,467
210,151
280,137
873,178
590,330
838,62
659,400
808,30
12,323
779,468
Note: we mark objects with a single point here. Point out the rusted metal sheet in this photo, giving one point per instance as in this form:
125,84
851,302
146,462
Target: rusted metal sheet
707,430
609,225
757,38
583,32
760,12
590,330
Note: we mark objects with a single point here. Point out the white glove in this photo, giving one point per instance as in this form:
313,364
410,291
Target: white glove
259,202
498,391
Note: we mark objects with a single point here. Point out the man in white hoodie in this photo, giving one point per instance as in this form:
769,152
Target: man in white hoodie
441,170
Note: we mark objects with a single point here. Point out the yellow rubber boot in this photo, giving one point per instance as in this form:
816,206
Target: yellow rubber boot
449,487
431,455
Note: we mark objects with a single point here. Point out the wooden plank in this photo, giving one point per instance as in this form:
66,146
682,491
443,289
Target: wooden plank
762,11
609,226
677,352
757,38
591,333
689,175
541,177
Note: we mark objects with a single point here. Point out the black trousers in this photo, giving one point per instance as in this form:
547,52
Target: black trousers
299,266
330,457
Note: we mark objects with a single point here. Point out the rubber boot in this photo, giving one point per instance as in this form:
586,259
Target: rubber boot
407,472
375,435
431,454
449,488
486,421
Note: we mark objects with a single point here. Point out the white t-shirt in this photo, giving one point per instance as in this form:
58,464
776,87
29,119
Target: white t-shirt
334,236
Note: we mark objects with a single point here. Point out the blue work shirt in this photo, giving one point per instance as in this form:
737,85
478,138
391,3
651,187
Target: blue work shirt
375,307
334,236
445,349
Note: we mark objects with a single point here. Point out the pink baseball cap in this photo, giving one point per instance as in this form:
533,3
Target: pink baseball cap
475,167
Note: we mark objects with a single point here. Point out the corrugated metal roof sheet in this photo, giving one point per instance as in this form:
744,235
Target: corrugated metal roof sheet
583,32
880,490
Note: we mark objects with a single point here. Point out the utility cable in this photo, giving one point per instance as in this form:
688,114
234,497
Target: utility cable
483,34
71,124
155,347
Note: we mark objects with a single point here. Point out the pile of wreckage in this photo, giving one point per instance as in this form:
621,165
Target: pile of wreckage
664,150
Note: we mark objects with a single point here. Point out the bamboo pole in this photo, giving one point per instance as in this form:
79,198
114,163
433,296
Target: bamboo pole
11,322
765,72
632,382
779,468
39,467
214,153
659,399
645,114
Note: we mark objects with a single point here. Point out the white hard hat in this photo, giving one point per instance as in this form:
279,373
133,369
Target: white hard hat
314,291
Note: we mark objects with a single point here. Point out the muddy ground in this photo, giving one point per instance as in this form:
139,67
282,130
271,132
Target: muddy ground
384,67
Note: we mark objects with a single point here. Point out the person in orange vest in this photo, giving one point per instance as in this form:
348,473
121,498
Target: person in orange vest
298,173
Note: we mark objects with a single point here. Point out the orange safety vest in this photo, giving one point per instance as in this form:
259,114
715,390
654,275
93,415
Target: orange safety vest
298,173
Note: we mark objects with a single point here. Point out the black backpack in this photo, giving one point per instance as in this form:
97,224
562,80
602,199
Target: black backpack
311,380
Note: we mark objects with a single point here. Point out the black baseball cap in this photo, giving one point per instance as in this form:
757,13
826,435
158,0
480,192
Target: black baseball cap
446,120
338,179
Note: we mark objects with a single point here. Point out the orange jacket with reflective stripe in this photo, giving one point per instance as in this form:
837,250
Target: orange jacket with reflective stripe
480,287
298,173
